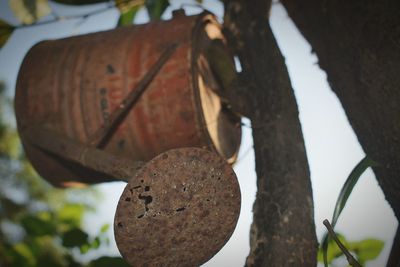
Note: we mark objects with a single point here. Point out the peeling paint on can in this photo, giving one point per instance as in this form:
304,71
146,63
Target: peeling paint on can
73,85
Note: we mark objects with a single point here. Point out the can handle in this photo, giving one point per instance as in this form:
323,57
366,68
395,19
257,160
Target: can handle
100,138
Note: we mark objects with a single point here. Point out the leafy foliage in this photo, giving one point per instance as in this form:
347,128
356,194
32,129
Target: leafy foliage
79,2
364,250
39,224
367,249
348,187
129,8
5,32
334,251
74,238
344,194
108,262
29,11
156,8
126,5
128,12
45,225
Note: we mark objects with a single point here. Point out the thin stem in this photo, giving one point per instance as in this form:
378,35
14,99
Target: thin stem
60,18
352,261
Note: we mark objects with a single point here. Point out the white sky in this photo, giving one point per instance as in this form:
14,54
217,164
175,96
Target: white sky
332,148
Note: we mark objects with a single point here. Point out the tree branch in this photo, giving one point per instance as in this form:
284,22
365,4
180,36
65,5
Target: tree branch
283,229
358,45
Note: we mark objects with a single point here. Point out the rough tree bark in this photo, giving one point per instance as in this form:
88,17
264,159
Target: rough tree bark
283,230
358,45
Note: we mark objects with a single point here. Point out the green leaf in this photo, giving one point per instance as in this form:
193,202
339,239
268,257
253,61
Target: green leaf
49,261
126,18
29,11
5,32
344,194
334,251
71,262
156,8
348,186
10,144
50,255
126,5
74,238
23,255
35,226
71,214
79,2
95,243
367,249
324,247
104,228
108,262
84,248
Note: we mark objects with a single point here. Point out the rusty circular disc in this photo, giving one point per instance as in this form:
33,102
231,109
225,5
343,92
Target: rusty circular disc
178,210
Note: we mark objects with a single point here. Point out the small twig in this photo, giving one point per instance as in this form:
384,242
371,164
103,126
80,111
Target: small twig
352,261
58,18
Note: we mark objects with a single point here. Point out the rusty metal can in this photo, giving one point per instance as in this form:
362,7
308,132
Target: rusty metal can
73,85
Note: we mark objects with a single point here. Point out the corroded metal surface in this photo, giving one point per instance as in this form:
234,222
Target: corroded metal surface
86,156
179,209
100,137
73,85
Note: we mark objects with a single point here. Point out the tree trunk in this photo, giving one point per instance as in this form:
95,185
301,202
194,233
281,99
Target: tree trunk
283,230
358,45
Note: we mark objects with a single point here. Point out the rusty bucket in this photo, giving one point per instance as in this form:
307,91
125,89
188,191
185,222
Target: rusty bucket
78,88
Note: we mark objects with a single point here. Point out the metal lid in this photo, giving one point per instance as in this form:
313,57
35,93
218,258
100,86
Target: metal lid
179,210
